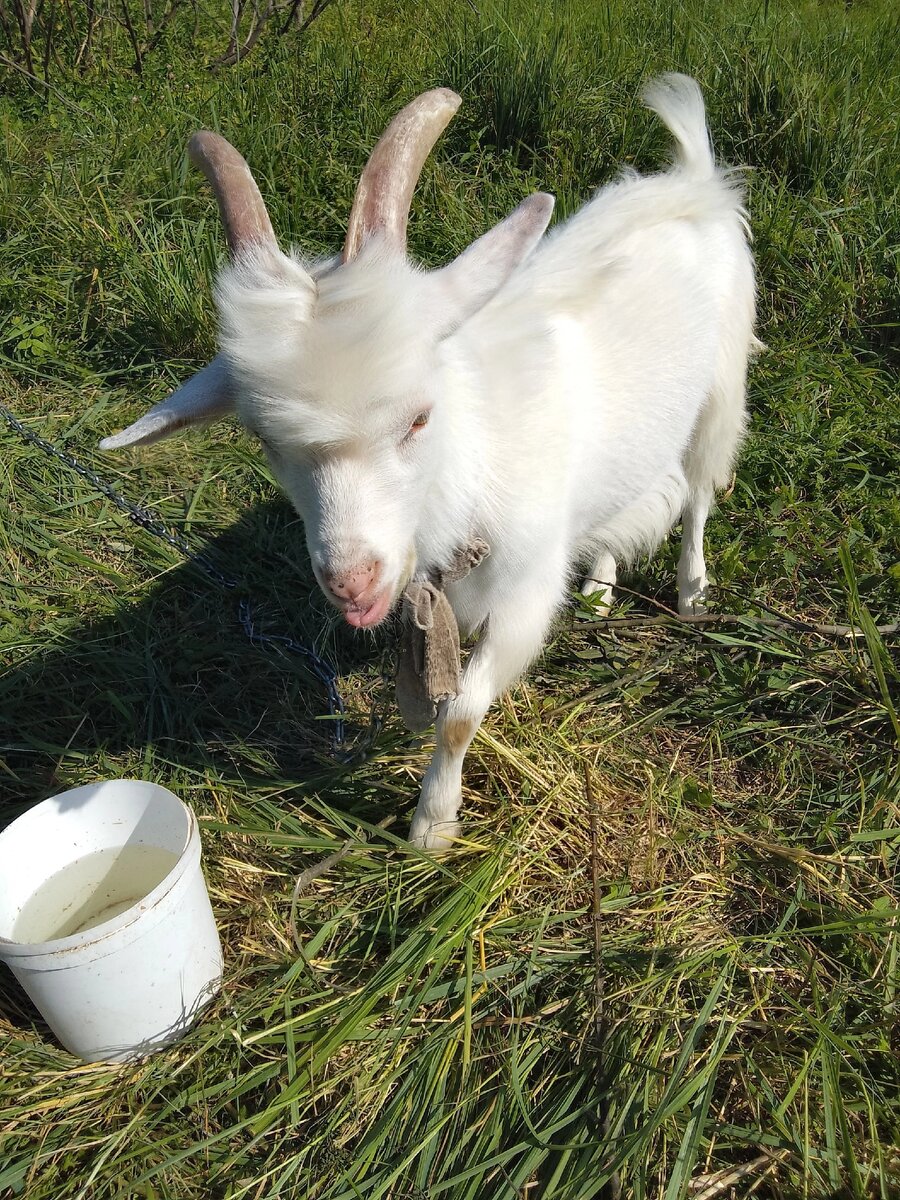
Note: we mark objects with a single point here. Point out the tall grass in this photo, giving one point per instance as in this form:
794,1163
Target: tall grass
519,76
452,1028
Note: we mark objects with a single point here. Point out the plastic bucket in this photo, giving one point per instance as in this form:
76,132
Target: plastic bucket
105,919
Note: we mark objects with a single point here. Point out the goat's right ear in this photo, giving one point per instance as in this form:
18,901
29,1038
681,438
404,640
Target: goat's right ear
205,397
482,269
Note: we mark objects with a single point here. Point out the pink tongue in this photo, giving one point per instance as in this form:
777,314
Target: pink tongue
362,618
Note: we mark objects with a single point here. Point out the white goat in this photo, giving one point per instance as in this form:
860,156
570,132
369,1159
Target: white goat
563,402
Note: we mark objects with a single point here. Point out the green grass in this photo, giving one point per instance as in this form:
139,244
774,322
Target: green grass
449,1028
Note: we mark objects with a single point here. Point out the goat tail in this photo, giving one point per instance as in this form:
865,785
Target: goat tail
678,102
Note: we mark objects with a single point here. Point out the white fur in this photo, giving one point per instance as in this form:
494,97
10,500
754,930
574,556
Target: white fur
595,395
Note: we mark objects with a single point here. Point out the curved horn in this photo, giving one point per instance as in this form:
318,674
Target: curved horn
240,203
385,188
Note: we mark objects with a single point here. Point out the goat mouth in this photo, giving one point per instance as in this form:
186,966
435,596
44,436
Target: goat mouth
364,614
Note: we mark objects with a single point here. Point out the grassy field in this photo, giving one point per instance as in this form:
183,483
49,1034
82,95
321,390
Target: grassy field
678,980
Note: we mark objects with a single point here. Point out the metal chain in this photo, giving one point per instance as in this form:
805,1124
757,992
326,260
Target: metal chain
322,670
319,667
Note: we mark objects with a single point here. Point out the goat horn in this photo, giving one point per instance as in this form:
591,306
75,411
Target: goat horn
385,188
240,203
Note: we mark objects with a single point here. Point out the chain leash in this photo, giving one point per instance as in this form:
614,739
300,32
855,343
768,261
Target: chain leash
318,666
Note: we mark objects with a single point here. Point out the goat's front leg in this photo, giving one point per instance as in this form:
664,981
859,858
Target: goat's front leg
514,635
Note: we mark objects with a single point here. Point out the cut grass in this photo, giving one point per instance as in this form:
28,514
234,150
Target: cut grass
445,1028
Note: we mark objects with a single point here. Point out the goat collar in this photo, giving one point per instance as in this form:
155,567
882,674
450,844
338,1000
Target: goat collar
429,668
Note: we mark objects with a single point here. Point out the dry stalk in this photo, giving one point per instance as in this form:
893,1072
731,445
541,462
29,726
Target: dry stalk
709,1187
769,622
613,1188
306,878
773,620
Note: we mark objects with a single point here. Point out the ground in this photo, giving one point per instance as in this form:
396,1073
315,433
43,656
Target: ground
666,957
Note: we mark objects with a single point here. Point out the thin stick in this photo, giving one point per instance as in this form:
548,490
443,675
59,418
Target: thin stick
312,873
595,900
777,620
599,1021
706,619
133,38
14,66
723,1181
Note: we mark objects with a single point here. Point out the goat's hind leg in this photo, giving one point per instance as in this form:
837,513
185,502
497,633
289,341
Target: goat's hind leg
693,582
708,464
601,578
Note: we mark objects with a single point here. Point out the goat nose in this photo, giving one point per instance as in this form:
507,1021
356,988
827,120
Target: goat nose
355,582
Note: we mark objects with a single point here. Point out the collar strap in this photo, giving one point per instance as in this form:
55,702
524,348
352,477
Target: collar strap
429,667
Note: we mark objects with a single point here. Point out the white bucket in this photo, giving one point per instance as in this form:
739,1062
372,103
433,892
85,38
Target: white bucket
105,919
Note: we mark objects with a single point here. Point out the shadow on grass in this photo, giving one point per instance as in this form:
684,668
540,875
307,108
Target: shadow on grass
171,683
170,687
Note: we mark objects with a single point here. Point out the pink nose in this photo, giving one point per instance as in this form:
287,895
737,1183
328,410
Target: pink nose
354,583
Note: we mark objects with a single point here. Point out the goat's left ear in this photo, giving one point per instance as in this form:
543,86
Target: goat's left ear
205,397
480,271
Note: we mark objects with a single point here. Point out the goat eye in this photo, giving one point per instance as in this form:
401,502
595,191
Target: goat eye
419,421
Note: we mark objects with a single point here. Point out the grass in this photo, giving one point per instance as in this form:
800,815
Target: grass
450,1028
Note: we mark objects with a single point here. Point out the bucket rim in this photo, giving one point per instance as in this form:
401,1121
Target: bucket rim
83,943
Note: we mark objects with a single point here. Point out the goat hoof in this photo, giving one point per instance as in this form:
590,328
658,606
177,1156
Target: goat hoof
604,594
436,836
693,605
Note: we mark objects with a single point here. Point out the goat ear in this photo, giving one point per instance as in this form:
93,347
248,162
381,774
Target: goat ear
205,397
480,271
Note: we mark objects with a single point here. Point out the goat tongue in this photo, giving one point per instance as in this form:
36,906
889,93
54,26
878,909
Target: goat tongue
362,617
